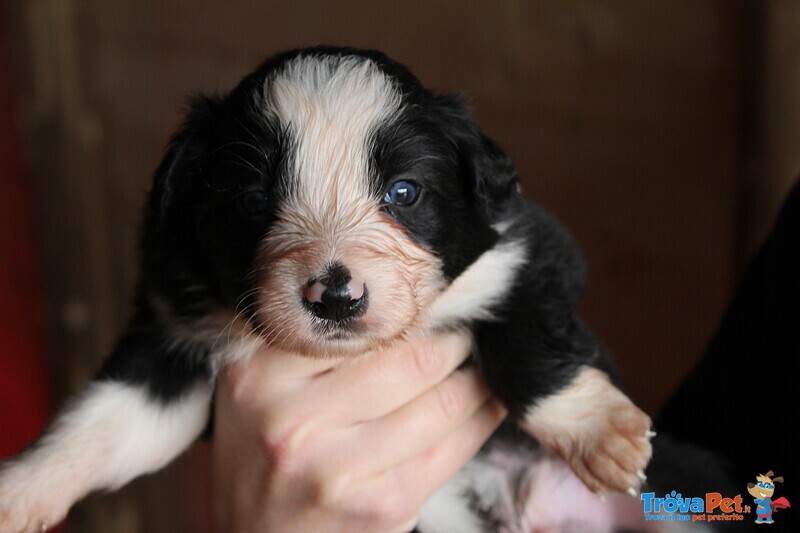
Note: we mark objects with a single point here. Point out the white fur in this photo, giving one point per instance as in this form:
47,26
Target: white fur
596,429
331,107
485,283
447,510
492,484
110,435
239,347
502,226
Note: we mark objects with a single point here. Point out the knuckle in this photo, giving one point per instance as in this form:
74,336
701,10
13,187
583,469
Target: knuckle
473,434
284,449
385,514
425,362
327,489
451,399
279,456
237,380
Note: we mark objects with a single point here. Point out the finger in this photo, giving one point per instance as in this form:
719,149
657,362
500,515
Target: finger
361,389
377,384
416,479
420,424
271,373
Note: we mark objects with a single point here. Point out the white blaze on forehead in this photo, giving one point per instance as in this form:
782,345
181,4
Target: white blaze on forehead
331,106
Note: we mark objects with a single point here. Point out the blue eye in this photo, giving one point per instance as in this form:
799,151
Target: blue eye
402,193
253,203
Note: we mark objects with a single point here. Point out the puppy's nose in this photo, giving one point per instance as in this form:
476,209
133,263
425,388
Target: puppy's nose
336,296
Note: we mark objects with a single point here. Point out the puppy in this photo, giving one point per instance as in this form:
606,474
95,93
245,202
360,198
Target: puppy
331,205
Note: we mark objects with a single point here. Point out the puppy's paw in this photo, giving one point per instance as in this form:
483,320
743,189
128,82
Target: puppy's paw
27,504
14,518
597,430
18,515
615,457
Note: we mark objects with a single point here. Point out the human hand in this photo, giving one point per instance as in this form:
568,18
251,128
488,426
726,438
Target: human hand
345,445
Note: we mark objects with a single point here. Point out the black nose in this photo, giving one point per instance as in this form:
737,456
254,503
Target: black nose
336,296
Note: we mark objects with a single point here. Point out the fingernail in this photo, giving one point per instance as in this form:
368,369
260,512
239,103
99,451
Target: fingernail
649,434
641,475
633,492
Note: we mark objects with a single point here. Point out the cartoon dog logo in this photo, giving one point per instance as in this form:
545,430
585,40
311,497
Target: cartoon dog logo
762,491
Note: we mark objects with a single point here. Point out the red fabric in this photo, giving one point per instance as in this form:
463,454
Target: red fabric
23,392
780,503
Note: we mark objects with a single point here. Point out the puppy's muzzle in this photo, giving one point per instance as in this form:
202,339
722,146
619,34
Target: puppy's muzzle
336,296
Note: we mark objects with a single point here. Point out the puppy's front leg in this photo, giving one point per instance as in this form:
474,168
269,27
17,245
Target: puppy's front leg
596,429
120,427
569,404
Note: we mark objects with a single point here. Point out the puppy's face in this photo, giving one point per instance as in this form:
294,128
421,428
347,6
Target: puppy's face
329,200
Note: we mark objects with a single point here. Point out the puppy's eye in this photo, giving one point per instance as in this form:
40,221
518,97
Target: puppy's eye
253,203
402,193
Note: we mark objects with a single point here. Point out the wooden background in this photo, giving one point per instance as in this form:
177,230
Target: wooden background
663,134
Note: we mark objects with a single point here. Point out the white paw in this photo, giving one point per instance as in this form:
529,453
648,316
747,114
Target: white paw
615,457
597,430
27,504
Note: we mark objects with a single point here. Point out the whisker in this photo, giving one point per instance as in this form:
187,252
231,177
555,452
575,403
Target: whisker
237,314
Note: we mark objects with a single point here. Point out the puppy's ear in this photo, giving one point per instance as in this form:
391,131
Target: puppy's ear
183,156
492,174
495,175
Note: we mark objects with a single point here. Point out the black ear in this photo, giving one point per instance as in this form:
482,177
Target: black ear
495,174
169,226
491,172
183,156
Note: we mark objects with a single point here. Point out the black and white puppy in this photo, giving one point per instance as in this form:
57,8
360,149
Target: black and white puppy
331,205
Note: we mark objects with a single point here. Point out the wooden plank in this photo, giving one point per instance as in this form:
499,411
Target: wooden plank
780,105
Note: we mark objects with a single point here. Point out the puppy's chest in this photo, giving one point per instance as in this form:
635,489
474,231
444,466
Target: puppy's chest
520,488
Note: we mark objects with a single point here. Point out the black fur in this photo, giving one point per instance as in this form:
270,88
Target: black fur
198,249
